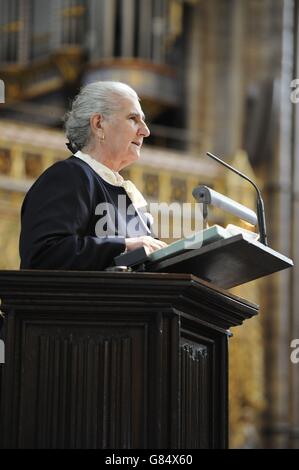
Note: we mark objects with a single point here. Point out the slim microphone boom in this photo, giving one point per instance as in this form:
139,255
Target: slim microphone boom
259,202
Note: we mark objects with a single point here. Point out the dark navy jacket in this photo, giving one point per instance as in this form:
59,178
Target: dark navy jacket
63,225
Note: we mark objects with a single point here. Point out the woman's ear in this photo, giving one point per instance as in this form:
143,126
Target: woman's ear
96,122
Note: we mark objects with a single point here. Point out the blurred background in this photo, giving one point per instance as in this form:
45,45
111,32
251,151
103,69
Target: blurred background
213,75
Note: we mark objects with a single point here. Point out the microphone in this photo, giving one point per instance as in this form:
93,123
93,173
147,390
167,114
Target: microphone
207,195
260,209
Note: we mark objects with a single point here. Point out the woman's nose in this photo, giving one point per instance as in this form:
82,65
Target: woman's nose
144,130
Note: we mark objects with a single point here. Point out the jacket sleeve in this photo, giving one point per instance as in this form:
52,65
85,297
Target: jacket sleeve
55,221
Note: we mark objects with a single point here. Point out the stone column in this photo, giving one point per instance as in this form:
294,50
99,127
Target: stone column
215,66
25,32
56,24
294,333
277,304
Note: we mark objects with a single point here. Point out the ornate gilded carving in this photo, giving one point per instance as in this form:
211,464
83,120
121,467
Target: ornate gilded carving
178,190
151,185
33,164
5,161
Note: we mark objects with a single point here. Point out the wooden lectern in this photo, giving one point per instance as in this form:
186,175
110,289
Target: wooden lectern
115,360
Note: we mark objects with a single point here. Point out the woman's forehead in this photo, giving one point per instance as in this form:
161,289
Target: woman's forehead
131,105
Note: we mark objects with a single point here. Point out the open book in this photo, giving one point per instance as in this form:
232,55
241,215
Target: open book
199,239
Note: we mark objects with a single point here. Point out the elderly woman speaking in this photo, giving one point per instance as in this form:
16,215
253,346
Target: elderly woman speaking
81,213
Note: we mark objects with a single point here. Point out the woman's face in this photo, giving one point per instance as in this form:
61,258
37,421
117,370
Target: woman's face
124,133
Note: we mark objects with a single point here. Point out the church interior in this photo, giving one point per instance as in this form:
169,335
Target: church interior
213,76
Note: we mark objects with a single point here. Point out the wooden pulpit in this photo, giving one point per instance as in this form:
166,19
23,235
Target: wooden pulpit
115,360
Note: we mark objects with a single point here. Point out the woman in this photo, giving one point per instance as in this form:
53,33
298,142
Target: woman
80,213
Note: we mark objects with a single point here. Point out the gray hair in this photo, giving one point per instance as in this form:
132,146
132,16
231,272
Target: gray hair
98,97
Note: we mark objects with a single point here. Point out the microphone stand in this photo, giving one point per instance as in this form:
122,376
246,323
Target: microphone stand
259,202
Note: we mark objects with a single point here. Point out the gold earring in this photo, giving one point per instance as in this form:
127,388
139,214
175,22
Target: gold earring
102,138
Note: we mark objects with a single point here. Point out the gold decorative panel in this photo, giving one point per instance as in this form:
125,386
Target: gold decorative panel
178,190
151,185
33,164
5,161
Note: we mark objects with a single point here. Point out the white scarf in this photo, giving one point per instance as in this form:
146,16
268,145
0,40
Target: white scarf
114,178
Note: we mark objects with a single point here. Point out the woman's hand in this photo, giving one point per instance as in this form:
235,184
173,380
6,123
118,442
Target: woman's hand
150,244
